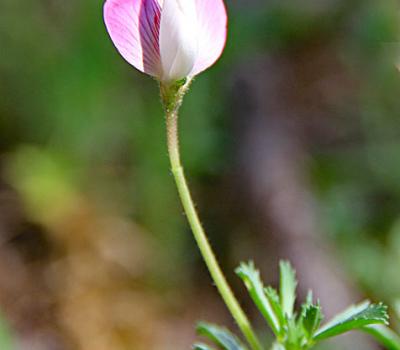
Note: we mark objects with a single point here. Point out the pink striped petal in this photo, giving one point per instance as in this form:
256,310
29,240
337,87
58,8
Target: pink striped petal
134,27
212,22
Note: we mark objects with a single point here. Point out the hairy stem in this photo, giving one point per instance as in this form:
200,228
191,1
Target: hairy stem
172,99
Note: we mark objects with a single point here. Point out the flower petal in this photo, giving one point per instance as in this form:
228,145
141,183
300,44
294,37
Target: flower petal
212,24
178,38
133,26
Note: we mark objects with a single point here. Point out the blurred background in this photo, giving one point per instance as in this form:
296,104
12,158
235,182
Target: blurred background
291,144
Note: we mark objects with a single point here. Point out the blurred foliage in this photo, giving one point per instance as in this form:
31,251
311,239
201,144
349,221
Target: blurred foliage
6,341
297,330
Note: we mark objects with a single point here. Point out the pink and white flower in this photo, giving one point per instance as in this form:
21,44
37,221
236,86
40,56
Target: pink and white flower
168,39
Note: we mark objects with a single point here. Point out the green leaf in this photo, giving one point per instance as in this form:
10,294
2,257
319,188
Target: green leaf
277,346
294,334
220,336
397,308
309,299
273,298
288,284
6,339
355,317
311,318
252,280
202,347
384,335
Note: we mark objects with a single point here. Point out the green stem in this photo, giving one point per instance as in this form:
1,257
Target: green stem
172,102
384,335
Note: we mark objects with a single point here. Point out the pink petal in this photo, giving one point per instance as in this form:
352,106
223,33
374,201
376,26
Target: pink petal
134,26
212,20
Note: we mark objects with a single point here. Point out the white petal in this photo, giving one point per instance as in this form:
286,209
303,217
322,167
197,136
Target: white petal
178,39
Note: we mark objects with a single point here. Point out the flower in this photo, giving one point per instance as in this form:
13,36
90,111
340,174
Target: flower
167,39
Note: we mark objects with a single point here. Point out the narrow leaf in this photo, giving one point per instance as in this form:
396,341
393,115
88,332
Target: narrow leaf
397,308
6,338
277,346
294,334
273,298
355,317
252,280
309,299
220,336
311,318
202,347
288,284
384,335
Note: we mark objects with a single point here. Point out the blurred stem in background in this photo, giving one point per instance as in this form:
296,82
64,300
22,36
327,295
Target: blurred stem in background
172,96
6,342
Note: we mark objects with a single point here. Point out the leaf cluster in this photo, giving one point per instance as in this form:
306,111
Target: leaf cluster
301,329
